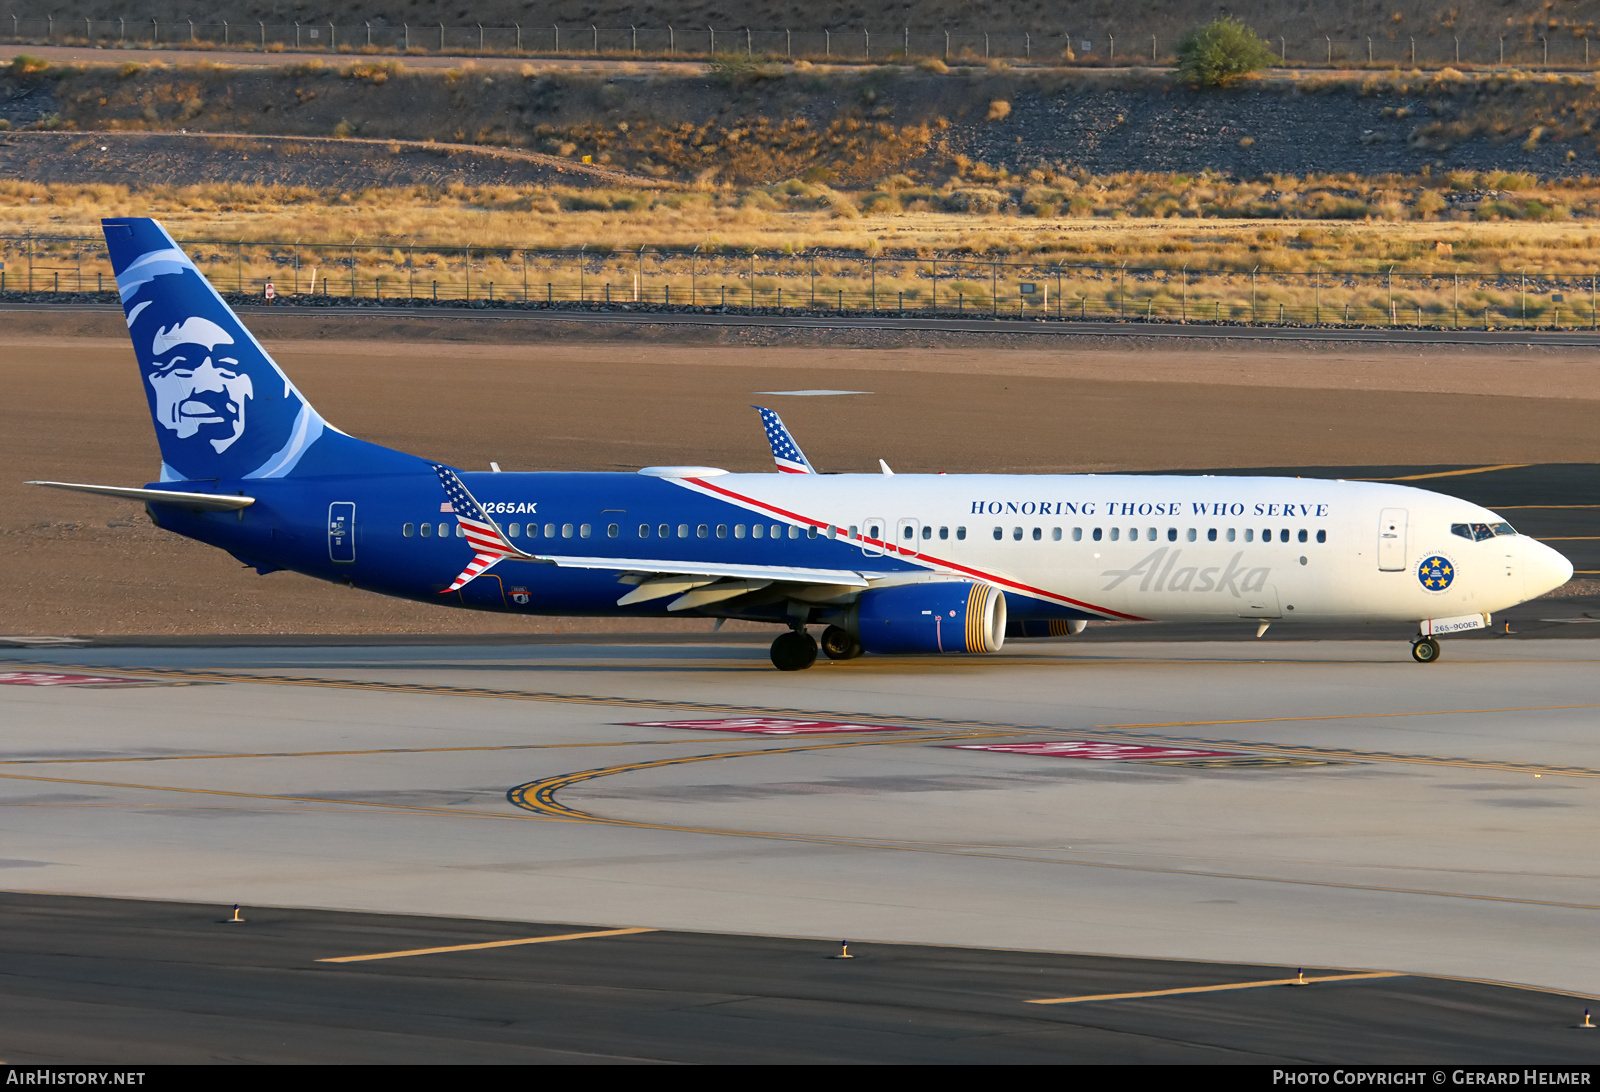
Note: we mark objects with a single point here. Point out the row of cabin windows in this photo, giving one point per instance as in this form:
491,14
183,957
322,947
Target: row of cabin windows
665,530
776,530
1152,534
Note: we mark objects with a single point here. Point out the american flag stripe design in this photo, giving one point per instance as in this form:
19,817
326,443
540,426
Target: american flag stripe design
785,452
489,545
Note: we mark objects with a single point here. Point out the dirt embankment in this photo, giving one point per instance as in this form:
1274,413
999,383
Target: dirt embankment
849,128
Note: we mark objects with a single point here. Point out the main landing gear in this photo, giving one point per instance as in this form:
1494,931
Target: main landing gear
838,644
1425,650
794,651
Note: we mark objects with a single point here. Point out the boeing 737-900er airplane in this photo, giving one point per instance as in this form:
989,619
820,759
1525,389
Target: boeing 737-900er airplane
909,563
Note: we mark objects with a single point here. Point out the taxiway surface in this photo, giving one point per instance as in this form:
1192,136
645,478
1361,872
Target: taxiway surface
1347,807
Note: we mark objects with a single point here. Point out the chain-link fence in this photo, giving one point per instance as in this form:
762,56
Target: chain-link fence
1293,46
770,282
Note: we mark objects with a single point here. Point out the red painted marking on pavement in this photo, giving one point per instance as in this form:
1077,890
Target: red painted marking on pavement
1104,752
767,726
46,678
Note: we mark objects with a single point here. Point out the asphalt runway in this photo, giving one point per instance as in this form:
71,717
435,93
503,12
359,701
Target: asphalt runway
1320,805
112,981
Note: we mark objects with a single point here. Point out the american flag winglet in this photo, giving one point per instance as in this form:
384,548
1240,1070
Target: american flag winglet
488,544
785,452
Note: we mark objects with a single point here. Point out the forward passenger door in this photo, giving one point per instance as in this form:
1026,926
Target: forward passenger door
1392,540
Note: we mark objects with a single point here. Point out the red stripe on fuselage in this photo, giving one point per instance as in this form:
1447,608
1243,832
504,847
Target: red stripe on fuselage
889,547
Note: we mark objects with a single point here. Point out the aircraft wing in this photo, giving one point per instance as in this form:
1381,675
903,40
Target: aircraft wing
699,584
785,452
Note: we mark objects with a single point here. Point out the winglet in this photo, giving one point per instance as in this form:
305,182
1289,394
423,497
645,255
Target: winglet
785,452
489,544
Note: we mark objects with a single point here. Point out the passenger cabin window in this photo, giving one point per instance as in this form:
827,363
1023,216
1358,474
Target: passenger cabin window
1115,533
583,532
1302,535
1230,534
461,532
1211,534
722,530
514,531
1249,534
1096,534
1133,534
999,533
1055,534
644,530
549,530
1192,535
1322,536
427,530
1077,534
961,534
665,530
739,530
944,534
1172,534
683,530
612,530
408,530
702,531
759,530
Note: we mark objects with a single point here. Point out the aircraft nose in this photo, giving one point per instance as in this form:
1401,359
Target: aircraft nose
1544,569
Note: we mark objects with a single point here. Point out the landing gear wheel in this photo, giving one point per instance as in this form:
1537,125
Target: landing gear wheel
1425,650
838,644
794,651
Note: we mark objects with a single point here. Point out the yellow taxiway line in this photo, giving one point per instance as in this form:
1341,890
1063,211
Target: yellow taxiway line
1215,989
485,944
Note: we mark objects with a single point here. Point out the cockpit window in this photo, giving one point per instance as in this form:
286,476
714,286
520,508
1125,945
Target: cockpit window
1479,532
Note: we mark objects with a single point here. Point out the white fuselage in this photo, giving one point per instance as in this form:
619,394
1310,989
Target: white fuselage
1177,547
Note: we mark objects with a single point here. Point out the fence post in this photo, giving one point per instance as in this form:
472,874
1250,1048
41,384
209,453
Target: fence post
262,26
947,45
1111,48
788,44
1283,51
827,43
986,45
1369,49
1027,46
752,281
556,28
1594,298
155,32
238,253
867,36
1330,50
672,41
1458,51
994,286
1413,52
596,32
297,34
1502,61
1185,317
352,271
480,37
1253,273
906,46
1455,304
369,33
1546,42
713,49
122,28
632,30
872,264
331,42
1523,279
224,31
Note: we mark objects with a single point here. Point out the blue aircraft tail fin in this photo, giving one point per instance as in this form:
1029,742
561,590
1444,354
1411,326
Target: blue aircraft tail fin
222,407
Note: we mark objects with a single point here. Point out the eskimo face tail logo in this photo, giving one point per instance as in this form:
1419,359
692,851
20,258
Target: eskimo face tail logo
1436,572
198,390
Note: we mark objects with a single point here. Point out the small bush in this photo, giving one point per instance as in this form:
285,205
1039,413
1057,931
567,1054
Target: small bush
1221,52
999,110
26,64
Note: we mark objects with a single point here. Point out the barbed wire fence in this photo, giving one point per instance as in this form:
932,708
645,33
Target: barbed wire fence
66,268
1570,49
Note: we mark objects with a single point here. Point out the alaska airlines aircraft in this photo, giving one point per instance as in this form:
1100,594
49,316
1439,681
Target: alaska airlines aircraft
886,563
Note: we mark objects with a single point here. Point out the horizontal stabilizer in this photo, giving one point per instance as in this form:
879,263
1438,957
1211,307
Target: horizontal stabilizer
199,502
776,573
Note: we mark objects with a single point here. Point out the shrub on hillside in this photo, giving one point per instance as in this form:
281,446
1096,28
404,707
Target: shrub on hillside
1222,51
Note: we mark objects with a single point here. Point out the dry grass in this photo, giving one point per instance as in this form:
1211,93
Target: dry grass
1280,225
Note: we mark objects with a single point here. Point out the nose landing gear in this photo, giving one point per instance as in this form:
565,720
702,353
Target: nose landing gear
794,651
1425,650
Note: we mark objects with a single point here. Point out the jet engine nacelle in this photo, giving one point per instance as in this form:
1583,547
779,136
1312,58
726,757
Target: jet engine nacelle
945,617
